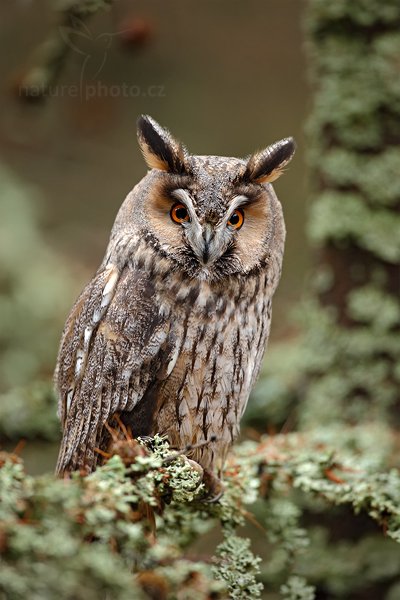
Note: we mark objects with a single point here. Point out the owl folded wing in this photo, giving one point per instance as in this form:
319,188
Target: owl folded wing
115,345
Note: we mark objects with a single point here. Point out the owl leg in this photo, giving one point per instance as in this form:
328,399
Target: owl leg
203,462
214,486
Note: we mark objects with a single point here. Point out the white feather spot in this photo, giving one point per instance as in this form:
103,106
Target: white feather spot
80,355
97,316
172,360
164,310
87,336
70,395
187,346
109,289
111,282
126,374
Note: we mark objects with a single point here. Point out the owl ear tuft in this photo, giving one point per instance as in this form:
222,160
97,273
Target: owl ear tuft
266,166
159,148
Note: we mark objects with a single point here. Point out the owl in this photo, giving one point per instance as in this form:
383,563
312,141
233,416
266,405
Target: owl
169,335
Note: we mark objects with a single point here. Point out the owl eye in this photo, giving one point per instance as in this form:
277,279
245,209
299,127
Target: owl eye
236,219
179,213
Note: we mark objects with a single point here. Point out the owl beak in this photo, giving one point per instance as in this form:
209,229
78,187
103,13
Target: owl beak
202,240
207,238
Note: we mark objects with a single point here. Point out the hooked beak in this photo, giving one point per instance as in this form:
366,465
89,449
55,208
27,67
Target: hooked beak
207,239
203,241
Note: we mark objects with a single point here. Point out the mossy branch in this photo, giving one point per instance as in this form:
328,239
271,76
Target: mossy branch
126,529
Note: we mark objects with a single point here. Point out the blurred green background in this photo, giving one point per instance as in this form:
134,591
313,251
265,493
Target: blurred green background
225,77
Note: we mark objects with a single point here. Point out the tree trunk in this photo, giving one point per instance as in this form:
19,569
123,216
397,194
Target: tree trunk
354,138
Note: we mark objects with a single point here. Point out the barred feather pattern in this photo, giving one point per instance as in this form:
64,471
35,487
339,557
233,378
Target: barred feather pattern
170,356
170,333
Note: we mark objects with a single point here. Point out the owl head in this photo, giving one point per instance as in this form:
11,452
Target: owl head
212,216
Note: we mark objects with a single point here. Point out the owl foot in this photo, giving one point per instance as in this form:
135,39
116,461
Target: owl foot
214,486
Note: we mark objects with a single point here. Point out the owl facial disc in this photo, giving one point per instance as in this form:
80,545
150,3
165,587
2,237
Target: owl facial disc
213,216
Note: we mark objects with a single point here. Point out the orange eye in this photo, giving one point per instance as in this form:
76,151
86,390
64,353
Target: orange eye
179,213
236,219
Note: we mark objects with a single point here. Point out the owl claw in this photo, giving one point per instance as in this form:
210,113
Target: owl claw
195,465
214,487
213,499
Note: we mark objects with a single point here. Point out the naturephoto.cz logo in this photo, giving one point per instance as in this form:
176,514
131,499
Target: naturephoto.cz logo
93,51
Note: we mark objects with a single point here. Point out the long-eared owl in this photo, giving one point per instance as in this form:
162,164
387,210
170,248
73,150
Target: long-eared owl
170,332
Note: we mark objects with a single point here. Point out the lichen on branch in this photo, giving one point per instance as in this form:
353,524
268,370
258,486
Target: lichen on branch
127,528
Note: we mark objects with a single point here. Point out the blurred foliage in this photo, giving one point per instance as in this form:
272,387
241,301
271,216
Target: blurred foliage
125,530
352,336
29,412
49,58
33,287
343,216
35,292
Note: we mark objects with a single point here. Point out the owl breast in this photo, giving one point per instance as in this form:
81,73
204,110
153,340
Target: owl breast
217,338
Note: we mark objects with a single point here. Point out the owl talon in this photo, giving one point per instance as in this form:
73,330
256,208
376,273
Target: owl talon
214,487
214,499
195,465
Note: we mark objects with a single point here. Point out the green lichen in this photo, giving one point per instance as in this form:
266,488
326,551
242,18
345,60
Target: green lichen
35,292
369,304
29,412
297,589
124,530
375,176
355,134
362,13
238,567
346,219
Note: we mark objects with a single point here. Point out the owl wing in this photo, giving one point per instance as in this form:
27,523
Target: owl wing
114,346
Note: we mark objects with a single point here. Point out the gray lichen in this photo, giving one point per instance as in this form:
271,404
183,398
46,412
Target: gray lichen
127,528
